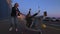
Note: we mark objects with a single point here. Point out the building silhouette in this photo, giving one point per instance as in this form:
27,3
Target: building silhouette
5,9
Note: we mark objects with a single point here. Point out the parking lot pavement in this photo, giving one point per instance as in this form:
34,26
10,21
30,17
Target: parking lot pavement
4,26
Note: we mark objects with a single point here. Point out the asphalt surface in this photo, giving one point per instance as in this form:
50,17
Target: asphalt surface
50,29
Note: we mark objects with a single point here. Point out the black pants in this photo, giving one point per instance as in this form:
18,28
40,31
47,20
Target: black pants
28,24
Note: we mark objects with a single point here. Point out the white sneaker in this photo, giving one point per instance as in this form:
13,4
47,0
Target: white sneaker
16,29
10,29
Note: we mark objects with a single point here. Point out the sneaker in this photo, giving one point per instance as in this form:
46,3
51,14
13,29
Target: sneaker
10,29
16,29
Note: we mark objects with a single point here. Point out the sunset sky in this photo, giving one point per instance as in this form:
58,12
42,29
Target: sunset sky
51,6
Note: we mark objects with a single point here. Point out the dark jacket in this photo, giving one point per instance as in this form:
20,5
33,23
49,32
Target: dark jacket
13,13
29,19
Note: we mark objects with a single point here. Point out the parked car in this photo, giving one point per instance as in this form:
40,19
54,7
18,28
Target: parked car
47,19
58,19
53,19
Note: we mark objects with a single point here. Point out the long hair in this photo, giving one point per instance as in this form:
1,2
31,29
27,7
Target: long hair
15,4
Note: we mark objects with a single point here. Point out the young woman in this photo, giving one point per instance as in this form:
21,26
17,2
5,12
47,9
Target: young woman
29,18
15,12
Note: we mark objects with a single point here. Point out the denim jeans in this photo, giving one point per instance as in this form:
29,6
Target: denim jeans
14,21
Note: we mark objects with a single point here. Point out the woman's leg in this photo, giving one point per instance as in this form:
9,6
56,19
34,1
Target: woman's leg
29,25
15,23
11,23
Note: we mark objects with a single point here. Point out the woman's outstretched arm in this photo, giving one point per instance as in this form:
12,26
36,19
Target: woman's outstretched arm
35,14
